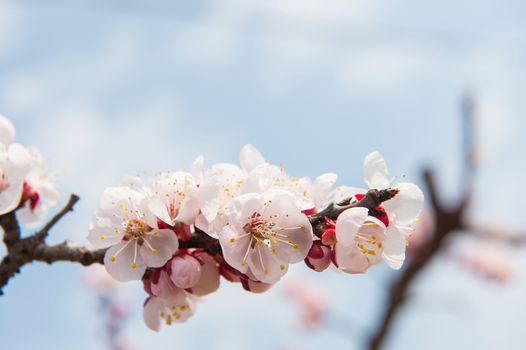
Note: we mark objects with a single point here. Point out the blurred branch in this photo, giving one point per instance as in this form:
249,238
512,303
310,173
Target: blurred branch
487,233
447,222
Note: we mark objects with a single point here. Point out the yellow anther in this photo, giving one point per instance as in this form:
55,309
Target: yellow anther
133,265
295,246
112,259
232,240
282,267
154,251
103,237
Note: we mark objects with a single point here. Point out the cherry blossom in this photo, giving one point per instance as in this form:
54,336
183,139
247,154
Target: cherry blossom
14,165
265,233
40,191
221,184
360,240
173,198
125,224
174,309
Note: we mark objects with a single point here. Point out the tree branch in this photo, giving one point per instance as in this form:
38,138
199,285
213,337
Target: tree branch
43,233
34,248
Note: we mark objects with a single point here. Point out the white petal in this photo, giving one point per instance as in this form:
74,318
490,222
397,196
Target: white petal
265,266
102,233
406,205
234,247
197,169
10,196
292,225
151,311
250,158
322,187
7,131
123,263
348,224
164,243
350,259
209,203
242,208
159,209
375,171
394,248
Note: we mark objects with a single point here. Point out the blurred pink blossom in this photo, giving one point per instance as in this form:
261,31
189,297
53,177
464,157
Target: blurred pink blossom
311,302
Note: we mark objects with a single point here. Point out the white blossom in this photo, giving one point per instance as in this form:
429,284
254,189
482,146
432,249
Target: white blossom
125,224
265,233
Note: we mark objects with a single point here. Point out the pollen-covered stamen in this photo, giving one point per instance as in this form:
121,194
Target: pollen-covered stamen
172,314
266,231
369,239
114,256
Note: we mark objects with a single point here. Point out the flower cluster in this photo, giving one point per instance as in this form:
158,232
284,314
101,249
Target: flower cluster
258,218
26,185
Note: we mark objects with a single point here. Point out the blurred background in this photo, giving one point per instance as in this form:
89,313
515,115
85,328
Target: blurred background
109,88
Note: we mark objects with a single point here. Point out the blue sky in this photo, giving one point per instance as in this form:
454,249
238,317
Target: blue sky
106,89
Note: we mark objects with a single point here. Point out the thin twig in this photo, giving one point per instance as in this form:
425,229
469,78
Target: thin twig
43,233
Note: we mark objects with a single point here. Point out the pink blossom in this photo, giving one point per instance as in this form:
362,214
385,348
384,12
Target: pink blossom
311,301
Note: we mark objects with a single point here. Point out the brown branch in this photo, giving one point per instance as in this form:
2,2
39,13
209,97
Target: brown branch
371,200
43,233
21,251
34,248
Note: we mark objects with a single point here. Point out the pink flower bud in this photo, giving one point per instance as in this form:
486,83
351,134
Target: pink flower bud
209,281
185,271
162,286
319,257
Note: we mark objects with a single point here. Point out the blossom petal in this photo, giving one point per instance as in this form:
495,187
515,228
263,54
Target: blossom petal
7,131
122,263
348,224
406,205
375,171
151,311
235,246
160,210
265,266
350,259
250,157
158,248
321,188
394,248
102,233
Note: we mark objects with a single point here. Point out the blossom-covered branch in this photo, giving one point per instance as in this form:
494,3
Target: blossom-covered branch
180,232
